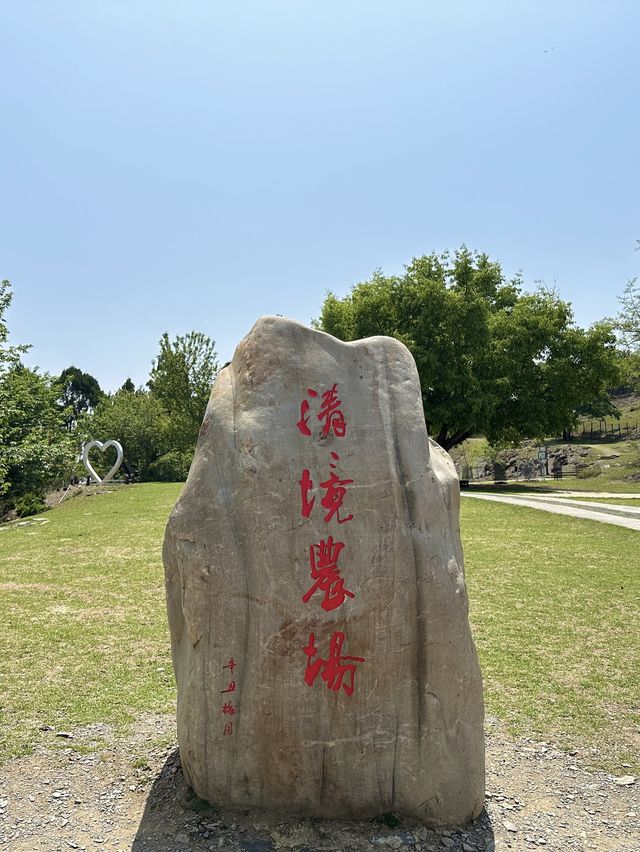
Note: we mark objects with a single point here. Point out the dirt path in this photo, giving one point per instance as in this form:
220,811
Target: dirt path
61,798
607,513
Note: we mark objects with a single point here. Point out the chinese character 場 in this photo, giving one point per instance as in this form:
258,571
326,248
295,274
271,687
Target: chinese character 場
333,669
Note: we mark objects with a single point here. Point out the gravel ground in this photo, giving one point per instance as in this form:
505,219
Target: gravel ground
75,792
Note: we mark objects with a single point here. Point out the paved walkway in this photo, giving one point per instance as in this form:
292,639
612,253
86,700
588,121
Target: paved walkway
607,513
603,495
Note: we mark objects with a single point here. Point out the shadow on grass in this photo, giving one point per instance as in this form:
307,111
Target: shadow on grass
491,487
175,819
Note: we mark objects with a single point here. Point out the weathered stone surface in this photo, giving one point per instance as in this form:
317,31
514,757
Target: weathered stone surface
237,558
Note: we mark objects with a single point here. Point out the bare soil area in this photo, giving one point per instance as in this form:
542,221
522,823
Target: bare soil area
89,790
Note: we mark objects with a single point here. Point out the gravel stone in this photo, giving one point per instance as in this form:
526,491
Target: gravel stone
557,809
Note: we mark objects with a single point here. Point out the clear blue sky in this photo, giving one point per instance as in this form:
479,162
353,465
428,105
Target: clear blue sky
168,166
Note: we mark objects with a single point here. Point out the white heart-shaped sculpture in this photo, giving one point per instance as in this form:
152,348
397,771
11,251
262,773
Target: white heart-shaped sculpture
102,447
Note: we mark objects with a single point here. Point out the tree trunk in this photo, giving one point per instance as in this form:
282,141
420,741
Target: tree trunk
449,441
441,437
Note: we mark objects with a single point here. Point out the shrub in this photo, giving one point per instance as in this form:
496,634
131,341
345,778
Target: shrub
589,472
29,504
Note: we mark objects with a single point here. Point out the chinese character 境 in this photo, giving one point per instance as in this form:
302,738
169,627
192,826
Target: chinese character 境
332,500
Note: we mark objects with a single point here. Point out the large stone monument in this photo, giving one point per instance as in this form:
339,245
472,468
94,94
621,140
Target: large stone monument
315,590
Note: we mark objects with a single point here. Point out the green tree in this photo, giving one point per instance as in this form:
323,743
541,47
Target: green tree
629,364
627,323
581,372
181,379
36,452
138,421
628,320
79,393
9,355
490,358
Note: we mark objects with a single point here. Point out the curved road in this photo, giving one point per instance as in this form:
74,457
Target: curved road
607,513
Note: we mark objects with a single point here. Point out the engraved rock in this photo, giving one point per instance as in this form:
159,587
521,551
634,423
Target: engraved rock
315,590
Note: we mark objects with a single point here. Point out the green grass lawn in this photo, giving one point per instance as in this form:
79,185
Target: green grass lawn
82,606
554,608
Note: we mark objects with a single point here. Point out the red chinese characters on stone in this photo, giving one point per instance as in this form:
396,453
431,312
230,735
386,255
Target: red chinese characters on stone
332,500
338,670
330,413
229,709
306,484
332,670
335,490
305,408
323,561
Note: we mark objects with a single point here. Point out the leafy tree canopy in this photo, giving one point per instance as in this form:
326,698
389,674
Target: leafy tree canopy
627,324
181,379
138,421
9,355
79,392
35,449
491,359
628,320
629,363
